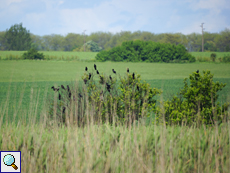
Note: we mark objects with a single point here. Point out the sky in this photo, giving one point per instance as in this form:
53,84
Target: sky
46,17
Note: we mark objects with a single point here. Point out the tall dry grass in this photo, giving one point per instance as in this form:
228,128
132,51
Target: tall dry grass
49,147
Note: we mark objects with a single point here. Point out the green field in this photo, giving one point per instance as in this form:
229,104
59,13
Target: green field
208,54
41,75
25,87
54,54
91,55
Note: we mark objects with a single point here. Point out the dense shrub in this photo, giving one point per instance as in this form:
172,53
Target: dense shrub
195,103
213,57
108,99
33,54
226,58
147,51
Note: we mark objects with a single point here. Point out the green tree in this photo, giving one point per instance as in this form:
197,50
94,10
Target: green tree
195,103
2,46
72,41
17,38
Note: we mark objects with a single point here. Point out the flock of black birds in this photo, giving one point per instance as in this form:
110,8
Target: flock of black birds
59,94
108,86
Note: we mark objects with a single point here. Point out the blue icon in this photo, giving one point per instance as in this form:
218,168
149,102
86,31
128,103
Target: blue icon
9,160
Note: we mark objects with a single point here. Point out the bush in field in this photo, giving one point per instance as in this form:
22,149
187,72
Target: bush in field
108,99
213,57
226,58
33,54
147,51
196,102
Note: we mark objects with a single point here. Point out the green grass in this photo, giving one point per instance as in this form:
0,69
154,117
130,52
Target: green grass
32,71
54,54
118,149
41,75
208,54
25,89
91,55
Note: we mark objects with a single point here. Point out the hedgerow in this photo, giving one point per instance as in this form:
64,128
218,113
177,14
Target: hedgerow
147,51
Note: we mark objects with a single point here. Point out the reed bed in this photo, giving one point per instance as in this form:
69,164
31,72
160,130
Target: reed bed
140,147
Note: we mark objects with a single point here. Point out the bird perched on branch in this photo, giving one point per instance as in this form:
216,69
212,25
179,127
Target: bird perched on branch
110,77
55,89
114,71
68,88
127,70
98,72
95,67
62,87
59,97
108,86
197,71
80,95
63,111
89,76
86,68
133,75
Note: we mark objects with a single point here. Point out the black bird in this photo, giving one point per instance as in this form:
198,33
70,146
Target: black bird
68,88
127,70
85,81
110,77
133,75
55,89
69,94
98,72
80,95
62,87
138,88
107,86
95,67
63,111
114,71
197,71
59,97
86,68
89,76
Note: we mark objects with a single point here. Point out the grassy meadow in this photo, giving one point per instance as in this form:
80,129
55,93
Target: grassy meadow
52,55
89,56
25,88
208,54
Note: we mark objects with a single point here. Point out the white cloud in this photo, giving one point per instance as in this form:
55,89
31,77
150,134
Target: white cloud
51,16
8,2
216,5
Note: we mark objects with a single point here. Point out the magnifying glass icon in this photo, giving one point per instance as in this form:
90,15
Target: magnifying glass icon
9,160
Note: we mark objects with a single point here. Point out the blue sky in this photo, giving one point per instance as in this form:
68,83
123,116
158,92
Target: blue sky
45,17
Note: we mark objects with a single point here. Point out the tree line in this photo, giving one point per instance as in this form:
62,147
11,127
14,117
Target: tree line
17,35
